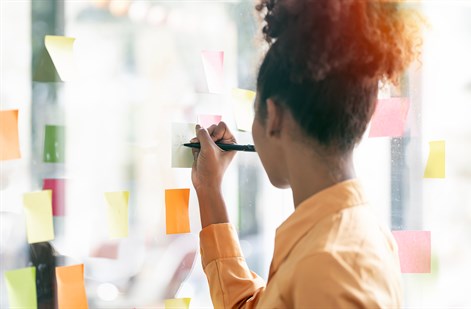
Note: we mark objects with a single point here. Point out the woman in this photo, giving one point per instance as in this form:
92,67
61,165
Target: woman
317,88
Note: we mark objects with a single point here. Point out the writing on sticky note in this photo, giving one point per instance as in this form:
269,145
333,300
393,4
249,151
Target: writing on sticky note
181,155
38,209
435,167
243,101
389,118
176,211
414,250
71,287
57,187
177,303
208,120
54,144
213,65
118,221
21,288
9,140
61,50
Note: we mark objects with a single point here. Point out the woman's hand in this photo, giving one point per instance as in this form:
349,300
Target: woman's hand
208,170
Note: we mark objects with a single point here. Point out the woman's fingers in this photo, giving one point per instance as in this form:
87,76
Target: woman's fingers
222,133
203,137
215,133
211,129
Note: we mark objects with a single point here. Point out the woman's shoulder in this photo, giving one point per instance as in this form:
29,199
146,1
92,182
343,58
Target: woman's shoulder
348,252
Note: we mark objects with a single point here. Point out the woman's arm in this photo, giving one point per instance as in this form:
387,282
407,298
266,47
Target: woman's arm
231,283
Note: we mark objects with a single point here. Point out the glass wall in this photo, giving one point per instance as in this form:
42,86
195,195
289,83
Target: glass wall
138,70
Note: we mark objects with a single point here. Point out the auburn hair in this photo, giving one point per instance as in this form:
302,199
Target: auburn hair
327,57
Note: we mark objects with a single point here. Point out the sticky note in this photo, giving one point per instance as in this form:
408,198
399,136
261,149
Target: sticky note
57,186
414,250
117,213
9,140
181,155
208,120
243,108
44,70
389,118
435,167
71,287
180,303
38,209
61,50
54,144
21,288
107,250
213,65
176,211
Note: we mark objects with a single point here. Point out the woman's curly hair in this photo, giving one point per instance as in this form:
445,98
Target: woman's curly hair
326,58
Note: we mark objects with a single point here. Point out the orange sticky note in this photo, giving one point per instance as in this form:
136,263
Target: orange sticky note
414,250
176,211
389,118
177,303
208,120
38,210
9,141
436,160
213,65
71,287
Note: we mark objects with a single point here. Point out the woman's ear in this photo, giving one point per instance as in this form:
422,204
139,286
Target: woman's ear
274,120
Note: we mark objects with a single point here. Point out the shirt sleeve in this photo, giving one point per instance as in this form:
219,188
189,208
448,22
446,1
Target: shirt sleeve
231,283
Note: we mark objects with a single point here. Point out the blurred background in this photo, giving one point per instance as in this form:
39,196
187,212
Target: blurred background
140,69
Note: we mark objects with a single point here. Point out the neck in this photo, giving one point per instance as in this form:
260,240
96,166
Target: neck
311,172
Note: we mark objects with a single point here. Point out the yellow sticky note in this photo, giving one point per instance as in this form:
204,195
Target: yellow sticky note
71,287
118,221
436,160
243,108
181,155
180,303
61,50
38,208
9,141
21,288
176,211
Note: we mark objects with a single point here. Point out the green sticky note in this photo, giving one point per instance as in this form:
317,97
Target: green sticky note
21,288
38,210
54,144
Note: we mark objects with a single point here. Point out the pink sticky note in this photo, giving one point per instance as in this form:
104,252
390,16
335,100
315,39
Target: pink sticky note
414,250
208,120
57,186
213,65
389,118
108,250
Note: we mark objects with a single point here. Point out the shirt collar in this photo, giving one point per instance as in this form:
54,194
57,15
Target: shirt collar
330,200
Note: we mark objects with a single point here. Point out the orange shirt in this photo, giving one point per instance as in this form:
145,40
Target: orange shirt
330,253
